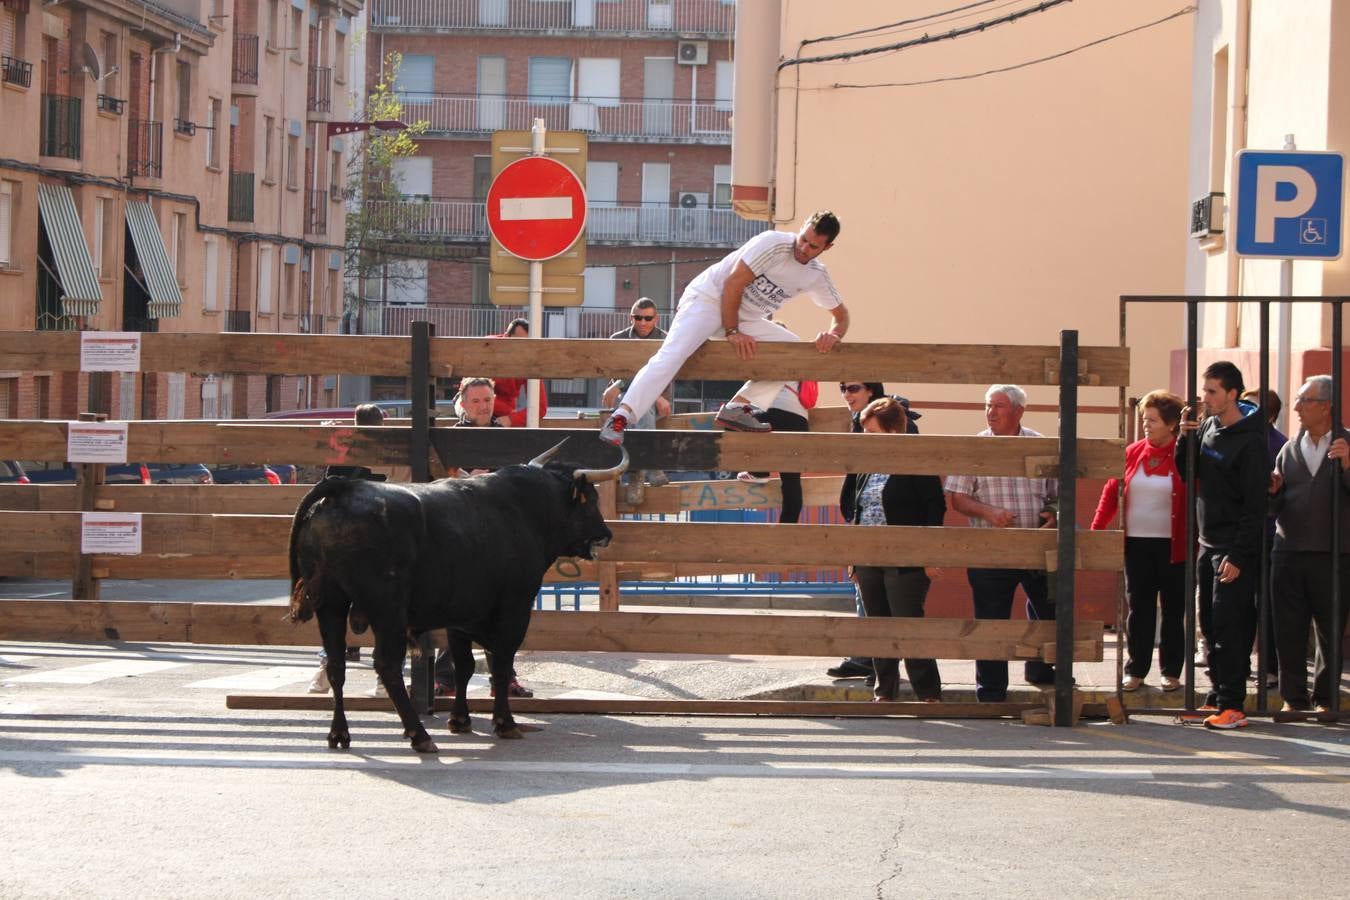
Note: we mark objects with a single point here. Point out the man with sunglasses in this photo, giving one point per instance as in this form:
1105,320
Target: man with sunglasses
733,299
644,327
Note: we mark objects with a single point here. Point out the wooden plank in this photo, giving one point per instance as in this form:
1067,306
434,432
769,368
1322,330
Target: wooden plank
817,490
91,620
632,707
607,575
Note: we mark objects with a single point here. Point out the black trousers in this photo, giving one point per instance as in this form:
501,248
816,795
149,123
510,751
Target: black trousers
891,591
1150,577
992,591
1230,610
1301,596
782,420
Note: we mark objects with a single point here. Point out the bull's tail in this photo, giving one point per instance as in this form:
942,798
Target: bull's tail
303,591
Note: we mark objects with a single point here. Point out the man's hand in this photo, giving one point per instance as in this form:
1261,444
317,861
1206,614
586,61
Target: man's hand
503,421
662,407
999,517
1276,483
827,341
610,396
1228,573
1188,424
1340,450
744,344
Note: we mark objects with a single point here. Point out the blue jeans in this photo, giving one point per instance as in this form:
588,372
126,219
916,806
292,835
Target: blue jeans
993,591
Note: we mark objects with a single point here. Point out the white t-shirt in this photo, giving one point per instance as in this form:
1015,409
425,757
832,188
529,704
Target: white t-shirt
1148,506
778,277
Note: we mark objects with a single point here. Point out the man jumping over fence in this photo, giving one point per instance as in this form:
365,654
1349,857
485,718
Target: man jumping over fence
733,299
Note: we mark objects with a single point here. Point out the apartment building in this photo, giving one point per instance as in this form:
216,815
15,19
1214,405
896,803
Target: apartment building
165,167
648,81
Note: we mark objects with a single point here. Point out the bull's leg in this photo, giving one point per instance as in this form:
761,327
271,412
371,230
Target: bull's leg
461,653
333,629
501,667
390,648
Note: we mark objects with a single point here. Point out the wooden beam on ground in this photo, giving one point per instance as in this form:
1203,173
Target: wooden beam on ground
179,537
797,709
295,354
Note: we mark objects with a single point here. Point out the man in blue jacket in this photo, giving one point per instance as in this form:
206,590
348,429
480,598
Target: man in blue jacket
1232,476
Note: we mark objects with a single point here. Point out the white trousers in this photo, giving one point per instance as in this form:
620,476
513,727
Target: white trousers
696,322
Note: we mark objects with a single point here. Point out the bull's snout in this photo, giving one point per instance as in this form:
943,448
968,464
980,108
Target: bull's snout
603,540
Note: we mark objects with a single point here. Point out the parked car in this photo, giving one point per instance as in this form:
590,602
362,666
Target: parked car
64,473
179,473
12,473
233,474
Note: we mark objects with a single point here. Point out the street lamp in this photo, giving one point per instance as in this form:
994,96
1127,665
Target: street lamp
336,128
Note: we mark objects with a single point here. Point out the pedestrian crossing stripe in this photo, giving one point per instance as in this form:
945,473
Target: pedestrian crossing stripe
95,672
266,679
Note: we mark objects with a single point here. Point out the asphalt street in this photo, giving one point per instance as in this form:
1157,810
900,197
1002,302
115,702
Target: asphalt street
123,774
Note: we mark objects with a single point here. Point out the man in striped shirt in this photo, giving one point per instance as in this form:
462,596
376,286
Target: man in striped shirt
995,501
733,299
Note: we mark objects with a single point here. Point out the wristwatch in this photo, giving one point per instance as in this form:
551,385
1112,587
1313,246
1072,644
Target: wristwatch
730,331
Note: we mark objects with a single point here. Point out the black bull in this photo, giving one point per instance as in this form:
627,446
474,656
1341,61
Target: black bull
466,555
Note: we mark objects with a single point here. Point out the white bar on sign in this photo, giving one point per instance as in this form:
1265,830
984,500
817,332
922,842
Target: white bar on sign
517,208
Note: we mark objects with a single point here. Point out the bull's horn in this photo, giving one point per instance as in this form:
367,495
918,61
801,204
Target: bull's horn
595,476
538,461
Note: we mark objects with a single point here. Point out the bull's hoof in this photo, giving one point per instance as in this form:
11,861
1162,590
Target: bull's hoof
508,731
425,744
335,741
461,726
527,728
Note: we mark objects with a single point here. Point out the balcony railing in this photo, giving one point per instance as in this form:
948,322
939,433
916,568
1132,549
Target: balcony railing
466,220
133,323
111,104
238,320
17,71
473,321
320,95
316,215
710,18
241,197
311,323
245,59
679,121
19,6
145,148
60,126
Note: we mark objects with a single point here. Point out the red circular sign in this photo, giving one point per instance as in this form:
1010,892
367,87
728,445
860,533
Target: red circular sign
536,208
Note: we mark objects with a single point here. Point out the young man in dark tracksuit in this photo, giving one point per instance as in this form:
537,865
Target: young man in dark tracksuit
1232,476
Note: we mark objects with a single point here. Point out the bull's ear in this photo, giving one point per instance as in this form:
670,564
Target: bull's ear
578,495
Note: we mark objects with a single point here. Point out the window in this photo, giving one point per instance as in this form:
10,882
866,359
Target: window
184,91
107,247
269,173
211,269
599,282
550,79
417,75
292,161
179,235
110,65
722,90
412,174
212,142
721,187
598,81
177,396
288,299
9,398
210,398
297,27
6,222
335,177
340,58
100,223
264,279
273,24
335,292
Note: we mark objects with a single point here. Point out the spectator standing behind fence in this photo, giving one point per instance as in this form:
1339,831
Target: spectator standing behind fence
1275,441
508,409
643,327
898,591
998,501
857,395
732,299
1301,562
1231,477
1155,541
787,412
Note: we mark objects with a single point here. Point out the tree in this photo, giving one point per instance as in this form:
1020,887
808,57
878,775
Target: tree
377,228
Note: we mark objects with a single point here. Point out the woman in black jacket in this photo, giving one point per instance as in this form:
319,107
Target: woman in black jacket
895,590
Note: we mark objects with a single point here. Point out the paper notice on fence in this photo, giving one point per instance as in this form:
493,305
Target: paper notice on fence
110,351
96,442
110,533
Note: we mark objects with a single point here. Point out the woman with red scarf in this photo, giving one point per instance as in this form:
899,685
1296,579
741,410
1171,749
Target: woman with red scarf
508,409
1155,541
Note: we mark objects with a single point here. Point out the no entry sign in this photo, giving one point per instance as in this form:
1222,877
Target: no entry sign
536,208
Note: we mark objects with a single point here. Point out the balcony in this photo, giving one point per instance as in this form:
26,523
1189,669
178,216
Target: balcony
438,219
17,71
632,18
239,320
316,212
111,104
60,126
145,149
245,59
602,119
19,6
241,197
312,323
474,321
320,95
133,323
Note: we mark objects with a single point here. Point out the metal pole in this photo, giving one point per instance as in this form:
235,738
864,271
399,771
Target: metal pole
1338,631
1263,648
537,134
1066,525
419,446
1286,352
1192,376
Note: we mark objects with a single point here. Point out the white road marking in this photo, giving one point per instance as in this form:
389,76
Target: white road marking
515,209
11,660
258,679
94,672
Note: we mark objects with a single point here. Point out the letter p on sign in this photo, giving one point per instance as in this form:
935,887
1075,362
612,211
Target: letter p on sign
1289,204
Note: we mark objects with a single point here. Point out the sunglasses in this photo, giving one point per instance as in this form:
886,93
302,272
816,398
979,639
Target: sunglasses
850,388
643,318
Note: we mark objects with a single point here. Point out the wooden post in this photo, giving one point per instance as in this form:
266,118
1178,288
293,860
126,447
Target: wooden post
88,478
608,573
1062,710
422,666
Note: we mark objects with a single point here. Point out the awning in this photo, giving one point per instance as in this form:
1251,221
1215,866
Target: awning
74,266
165,299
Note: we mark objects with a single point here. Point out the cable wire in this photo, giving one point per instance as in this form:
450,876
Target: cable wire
901,23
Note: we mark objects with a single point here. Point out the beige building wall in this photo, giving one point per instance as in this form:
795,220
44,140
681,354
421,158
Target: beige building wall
995,209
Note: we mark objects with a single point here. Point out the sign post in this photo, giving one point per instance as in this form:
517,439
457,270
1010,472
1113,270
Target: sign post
536,209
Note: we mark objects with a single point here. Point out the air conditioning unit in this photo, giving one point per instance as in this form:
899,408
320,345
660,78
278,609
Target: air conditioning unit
1207,216
693,200
692,53
691,220
582,116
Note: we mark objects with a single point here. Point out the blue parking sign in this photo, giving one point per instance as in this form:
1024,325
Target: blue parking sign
1289,204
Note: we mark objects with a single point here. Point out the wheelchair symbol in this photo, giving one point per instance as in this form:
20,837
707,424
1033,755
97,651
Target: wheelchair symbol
1312,231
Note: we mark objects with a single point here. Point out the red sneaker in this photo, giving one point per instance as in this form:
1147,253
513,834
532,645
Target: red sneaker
612,433
1227,720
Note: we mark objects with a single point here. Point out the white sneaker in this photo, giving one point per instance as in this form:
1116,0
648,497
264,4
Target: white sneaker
319,683
752,478
1132,683
1170,684
740,417
378,690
